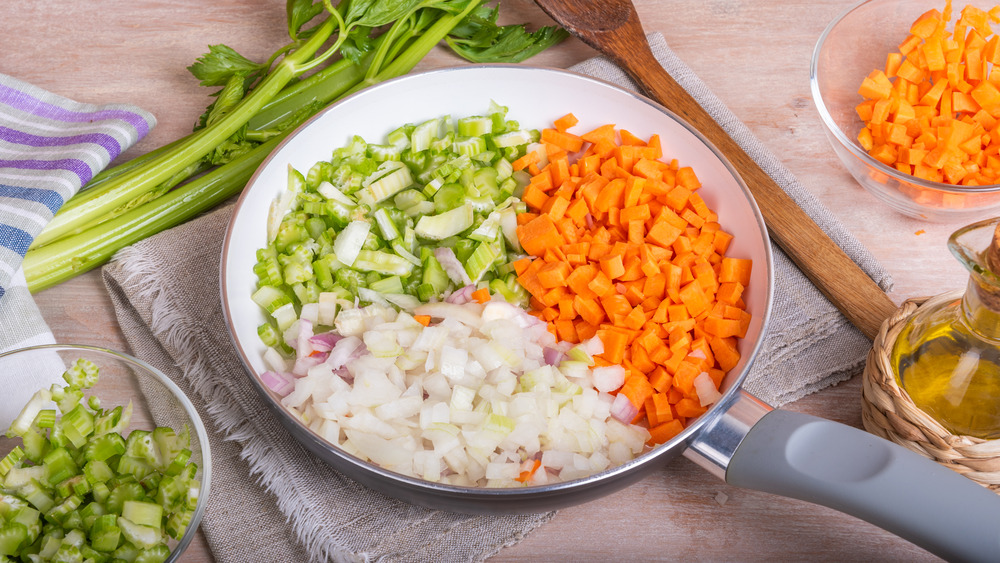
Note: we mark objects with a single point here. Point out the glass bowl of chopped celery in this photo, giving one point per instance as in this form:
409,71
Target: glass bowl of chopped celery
102,457
895,132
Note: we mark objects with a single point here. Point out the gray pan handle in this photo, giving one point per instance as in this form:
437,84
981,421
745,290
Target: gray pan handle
824,462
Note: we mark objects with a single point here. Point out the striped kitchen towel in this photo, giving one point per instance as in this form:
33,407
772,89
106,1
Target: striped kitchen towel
49,147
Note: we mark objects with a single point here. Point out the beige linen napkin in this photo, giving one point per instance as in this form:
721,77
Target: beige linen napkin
166,294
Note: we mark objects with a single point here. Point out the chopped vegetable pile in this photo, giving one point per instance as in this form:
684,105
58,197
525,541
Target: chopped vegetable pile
932,111
480,304
480,396
382,222
625,249
81,489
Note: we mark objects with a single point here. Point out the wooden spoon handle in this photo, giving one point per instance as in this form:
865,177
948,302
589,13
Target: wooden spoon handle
826,265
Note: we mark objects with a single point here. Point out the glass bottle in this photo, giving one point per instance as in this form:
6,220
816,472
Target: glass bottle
947,357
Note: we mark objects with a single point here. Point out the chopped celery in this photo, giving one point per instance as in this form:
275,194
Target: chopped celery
366,222
447,224
80,491
143,513
11,460
105,533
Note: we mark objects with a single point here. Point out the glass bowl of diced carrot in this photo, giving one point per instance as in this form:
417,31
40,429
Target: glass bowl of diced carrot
910,101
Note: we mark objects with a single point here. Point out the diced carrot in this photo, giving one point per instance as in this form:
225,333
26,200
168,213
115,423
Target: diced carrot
694,298
919,108
534,197
660,379
604,133
637,389
658,409
685,375
662,433
588,309
689,408
625,249
568,141
528,159
538,235
601,284
481,295
585,330
553,274
614,346
735,270
423,319
565,122
612,266
725,352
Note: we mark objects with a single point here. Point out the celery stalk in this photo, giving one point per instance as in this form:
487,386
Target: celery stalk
76,254
147,176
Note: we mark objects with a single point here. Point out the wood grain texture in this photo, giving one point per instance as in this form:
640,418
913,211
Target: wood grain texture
753,55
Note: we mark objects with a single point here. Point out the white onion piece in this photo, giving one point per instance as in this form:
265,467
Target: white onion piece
303,345
593,345
462,295
324,341
469,314
704,386
343,351
279,382
304,363
608,378
622,409
553,356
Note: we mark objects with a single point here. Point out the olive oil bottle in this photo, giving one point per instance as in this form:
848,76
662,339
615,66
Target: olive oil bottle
947,356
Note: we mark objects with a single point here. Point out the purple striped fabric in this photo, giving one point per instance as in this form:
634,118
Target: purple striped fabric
107,142
30,104
73,165
44,163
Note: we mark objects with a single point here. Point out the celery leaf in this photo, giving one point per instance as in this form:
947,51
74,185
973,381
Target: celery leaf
480,40
220,63
375,13
299,13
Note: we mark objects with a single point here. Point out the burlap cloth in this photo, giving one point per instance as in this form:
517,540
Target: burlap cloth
274,501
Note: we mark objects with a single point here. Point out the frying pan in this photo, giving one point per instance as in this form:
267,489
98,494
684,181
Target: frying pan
740,439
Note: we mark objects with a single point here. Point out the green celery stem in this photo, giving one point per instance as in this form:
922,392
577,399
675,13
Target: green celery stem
137,181
109,173
79,253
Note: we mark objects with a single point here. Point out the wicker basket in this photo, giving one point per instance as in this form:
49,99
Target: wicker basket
887,410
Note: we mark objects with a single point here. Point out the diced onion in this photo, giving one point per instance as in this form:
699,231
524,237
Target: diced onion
704,386
622,409
471,399
608,378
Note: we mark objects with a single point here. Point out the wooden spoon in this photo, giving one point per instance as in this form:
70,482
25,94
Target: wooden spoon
613,28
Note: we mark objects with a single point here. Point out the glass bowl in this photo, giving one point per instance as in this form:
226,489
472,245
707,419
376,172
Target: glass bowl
156,401
853,45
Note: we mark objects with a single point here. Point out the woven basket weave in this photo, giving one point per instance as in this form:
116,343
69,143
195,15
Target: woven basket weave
888,411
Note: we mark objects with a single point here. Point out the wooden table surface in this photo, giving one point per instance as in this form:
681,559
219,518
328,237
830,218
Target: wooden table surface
754,55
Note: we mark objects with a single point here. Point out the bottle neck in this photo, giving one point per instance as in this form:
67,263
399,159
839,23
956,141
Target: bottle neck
981,309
